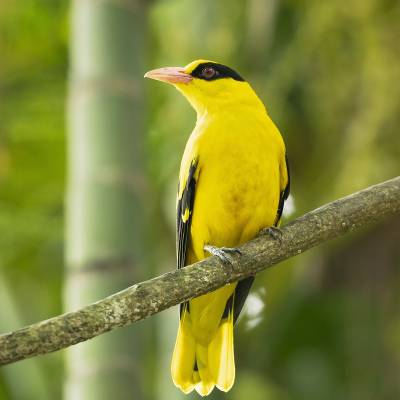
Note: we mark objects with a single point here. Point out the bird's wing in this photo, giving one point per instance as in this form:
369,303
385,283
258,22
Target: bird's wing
184,210
241,292
284,191
184,214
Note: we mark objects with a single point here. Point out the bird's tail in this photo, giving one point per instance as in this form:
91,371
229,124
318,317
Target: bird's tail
201,367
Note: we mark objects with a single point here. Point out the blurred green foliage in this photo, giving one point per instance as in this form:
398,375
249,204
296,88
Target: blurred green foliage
33,65
329,74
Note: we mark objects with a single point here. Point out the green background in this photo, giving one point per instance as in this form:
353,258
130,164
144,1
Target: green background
325,325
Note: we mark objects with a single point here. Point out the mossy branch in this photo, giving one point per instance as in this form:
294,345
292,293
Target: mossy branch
150,297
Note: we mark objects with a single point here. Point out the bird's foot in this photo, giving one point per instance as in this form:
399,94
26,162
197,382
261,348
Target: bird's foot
273,231
223,253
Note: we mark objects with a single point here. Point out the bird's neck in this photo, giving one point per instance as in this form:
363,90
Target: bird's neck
230,110
238,99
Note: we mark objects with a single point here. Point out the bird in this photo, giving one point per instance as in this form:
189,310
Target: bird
233,182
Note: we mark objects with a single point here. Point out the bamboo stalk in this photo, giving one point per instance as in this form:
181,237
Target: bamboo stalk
106,188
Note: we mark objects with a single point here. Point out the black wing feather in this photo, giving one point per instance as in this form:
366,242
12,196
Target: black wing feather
183,227
283,195
238,299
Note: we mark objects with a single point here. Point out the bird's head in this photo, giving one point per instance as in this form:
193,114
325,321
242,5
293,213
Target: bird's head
206,84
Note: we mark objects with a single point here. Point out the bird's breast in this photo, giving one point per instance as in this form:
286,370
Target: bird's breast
237,191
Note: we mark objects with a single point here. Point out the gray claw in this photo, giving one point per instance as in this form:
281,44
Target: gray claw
223,253
231,250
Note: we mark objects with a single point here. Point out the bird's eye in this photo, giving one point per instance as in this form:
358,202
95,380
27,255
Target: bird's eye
208,72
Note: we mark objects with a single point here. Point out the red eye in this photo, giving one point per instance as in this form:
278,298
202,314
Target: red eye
208,72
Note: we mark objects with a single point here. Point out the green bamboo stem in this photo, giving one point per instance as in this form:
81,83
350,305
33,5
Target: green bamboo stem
106,185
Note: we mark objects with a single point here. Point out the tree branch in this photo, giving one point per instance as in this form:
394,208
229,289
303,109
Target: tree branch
150,297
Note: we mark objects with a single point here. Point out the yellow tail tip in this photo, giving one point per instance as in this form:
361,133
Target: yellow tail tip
185,388
204,366
204,388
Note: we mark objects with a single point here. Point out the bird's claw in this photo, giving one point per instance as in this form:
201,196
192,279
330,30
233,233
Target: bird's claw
223,253
273,231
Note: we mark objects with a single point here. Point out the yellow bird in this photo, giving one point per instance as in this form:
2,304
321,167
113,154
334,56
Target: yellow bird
233,182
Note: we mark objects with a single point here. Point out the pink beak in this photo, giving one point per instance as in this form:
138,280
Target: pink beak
169,74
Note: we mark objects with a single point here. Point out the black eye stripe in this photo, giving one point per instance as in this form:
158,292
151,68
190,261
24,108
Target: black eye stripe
221,71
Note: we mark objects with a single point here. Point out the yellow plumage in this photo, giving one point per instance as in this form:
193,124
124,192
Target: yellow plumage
232,181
